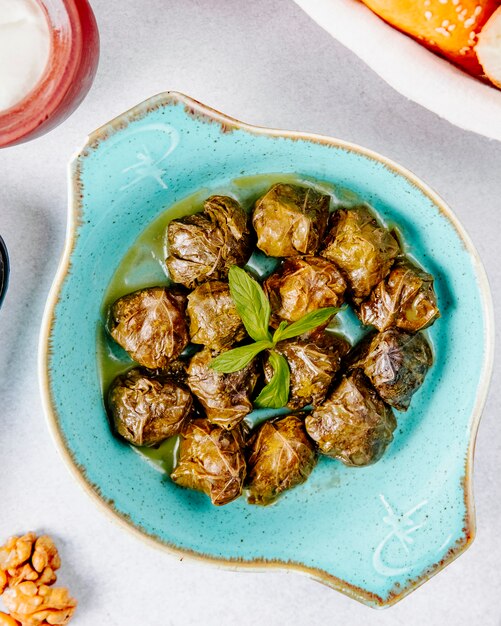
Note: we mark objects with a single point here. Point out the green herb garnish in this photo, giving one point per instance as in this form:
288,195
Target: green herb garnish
254,310
251,302
276,393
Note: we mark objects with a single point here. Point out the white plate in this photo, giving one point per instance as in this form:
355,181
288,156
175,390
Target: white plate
410,68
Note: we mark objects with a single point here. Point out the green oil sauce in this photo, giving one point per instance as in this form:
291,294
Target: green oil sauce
164,457
144,266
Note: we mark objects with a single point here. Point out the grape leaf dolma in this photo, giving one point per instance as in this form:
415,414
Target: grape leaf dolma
214,319
150,324
353,425
396,362
280,456
361,247
211,459
405,299
313,361
205,245
290,220
145,410
301,285
226,398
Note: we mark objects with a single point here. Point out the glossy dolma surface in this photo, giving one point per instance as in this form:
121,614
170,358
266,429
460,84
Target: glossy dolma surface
313,361
353,425
396,363
150,324
361,247
205,245
404,299
290,220
301,285
146,410
213,316
225,398
280,456
211,459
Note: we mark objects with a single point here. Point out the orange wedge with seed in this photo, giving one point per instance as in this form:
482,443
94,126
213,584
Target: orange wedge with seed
448,27
488,48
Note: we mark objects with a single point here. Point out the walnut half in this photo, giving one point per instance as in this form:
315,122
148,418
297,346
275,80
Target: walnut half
27,568
40,605
28,558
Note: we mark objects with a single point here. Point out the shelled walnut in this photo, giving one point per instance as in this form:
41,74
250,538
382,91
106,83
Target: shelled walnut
27,568
42,605
28,558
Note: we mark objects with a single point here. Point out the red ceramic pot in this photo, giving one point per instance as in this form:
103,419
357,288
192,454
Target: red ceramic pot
67,79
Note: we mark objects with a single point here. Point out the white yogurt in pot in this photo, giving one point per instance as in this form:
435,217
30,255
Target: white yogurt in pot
25,40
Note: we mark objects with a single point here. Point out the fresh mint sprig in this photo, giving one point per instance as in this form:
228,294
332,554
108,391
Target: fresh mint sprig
251,302
254,309
276,393
238,358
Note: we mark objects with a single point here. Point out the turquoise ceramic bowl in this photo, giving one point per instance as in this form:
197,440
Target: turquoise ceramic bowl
374,533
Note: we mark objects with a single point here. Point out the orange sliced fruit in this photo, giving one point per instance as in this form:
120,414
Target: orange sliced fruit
448,27
488,48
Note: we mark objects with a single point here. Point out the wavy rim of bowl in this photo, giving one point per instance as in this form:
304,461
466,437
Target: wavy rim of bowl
197,109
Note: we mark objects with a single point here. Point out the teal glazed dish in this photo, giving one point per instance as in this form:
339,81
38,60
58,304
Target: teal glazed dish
373,533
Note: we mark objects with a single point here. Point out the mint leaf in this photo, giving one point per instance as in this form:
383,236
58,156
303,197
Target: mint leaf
281,327
251,303
307,322
276,393
236,359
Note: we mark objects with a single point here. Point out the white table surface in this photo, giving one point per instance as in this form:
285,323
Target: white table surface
265,62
